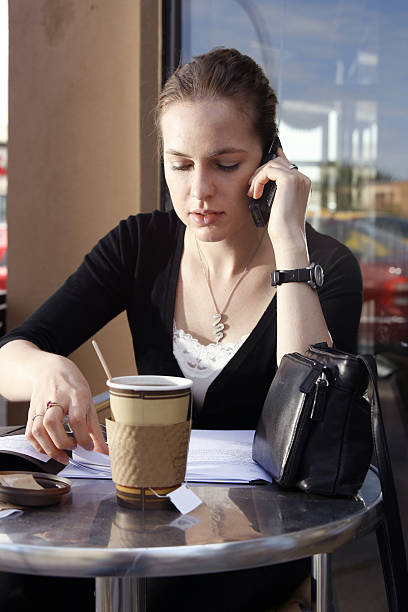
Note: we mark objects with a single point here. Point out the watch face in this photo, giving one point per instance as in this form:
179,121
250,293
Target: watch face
318,275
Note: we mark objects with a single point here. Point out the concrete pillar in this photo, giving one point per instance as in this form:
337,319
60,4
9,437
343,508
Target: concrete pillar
84,76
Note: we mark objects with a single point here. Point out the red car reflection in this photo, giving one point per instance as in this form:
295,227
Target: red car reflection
383,258
3,255
384,320
3,271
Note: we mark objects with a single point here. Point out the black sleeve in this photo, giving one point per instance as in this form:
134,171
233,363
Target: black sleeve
341,296
97,292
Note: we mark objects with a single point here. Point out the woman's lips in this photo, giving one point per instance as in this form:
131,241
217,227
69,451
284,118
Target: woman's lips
204,218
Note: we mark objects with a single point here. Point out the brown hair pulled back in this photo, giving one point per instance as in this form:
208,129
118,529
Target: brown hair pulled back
224,73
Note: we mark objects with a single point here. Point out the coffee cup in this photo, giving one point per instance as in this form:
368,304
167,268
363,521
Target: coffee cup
149,400
148,439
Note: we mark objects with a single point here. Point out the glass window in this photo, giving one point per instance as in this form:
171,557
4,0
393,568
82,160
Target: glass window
342,83
3,147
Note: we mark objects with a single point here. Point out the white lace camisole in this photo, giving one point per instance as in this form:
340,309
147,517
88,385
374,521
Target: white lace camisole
202,362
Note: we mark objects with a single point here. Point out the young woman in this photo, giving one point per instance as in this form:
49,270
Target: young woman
196,285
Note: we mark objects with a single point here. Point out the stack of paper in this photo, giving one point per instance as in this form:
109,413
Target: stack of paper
214,456
87,464
223,456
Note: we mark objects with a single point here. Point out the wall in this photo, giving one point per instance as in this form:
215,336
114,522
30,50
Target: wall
84,76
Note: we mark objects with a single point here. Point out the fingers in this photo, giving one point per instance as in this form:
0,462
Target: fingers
46,433
62,393
78,420
45,429
279,169
96,433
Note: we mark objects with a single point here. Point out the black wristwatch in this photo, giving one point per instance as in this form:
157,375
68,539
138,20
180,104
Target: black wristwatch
313,275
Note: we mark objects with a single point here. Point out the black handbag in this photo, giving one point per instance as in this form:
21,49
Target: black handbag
316,434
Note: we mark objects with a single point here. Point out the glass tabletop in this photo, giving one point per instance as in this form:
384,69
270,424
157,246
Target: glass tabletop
236,527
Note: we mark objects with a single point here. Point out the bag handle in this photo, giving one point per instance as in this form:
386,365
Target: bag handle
389,535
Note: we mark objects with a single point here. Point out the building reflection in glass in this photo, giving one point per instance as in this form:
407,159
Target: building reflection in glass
342,120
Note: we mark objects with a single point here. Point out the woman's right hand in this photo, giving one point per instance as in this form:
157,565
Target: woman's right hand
57,380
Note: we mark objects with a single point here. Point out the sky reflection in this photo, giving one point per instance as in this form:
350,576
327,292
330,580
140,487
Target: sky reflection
345,56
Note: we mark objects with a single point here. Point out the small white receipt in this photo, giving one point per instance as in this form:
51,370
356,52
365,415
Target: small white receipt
184,499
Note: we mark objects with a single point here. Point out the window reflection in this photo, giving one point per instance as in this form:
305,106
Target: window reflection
342,120
3,156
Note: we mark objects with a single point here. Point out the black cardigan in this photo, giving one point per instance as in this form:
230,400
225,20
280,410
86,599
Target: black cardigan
135,268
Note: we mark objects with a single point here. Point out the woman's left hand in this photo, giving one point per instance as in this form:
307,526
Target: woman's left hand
287,218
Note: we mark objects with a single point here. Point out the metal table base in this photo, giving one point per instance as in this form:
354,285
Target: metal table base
126,594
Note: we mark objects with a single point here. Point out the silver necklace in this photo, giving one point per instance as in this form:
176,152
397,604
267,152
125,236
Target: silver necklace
218,324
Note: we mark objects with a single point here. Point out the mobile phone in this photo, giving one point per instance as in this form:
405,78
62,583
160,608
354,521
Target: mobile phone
261,208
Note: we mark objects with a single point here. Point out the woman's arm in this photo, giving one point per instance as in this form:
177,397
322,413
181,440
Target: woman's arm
300,319
28,373
33,357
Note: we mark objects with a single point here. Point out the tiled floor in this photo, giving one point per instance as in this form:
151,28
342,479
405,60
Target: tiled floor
358,579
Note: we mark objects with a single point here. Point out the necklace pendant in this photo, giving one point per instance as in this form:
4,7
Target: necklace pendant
218,327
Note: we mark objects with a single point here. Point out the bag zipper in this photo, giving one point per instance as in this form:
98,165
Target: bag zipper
319,399
292,464
301,357
318,378
321,383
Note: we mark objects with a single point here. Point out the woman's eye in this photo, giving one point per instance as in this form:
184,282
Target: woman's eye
223,167
185,167
227,168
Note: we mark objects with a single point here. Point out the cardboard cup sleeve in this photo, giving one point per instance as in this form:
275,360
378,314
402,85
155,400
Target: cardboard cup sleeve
148,455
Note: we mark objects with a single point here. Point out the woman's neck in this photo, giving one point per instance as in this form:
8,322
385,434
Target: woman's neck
231,256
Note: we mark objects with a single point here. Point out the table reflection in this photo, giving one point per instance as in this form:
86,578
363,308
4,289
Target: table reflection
91,517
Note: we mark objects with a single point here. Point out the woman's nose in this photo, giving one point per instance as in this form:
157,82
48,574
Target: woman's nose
202,186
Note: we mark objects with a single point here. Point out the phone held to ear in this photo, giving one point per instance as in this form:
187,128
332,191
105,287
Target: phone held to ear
261,208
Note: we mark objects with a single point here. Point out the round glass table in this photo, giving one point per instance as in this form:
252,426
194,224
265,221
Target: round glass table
236,527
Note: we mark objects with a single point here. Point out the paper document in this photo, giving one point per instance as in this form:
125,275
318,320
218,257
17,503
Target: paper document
19,444
223,456
220,456
87,464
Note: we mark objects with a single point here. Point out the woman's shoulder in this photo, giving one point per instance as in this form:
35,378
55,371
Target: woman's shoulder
155,221
138,231
336,258
141,234
324,248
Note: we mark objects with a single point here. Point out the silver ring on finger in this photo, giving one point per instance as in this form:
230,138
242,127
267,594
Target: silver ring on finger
37,415
293,167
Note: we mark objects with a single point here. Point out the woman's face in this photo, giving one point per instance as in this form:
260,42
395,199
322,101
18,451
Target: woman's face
210,151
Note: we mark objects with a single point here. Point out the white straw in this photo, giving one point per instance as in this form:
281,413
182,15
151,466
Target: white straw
102,360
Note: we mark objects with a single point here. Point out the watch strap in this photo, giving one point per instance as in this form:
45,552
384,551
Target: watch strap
312,274
301,275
